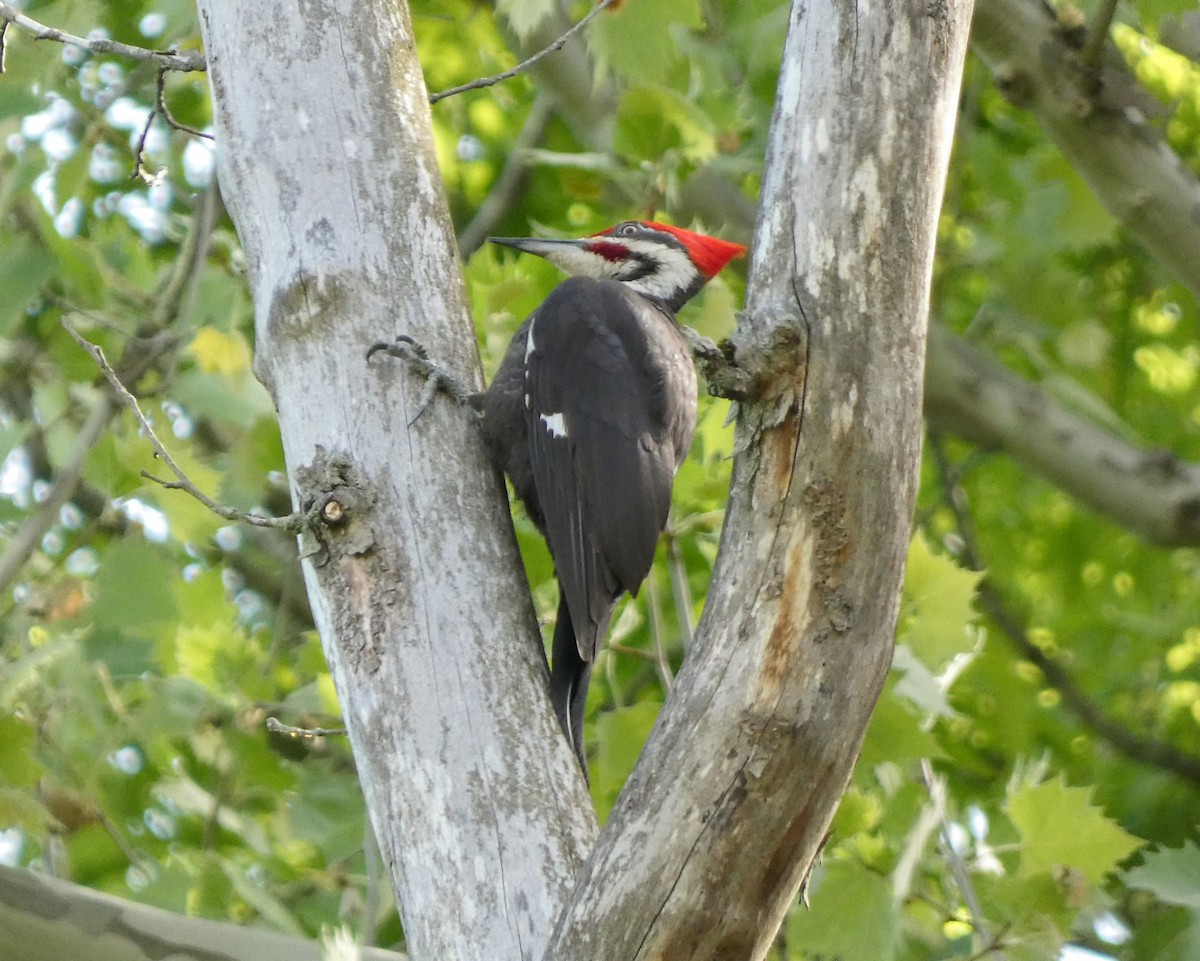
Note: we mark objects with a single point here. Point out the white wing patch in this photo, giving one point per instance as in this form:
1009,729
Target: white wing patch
530,346
555,424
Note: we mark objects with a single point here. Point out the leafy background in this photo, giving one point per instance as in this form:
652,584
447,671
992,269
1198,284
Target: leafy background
144,641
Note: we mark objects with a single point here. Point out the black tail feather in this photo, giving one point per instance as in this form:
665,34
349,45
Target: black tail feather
569,675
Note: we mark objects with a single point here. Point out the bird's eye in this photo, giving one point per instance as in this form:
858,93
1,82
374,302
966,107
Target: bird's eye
628,229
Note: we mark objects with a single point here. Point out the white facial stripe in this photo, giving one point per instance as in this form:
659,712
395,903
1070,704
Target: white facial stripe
577,261
675,271
555,424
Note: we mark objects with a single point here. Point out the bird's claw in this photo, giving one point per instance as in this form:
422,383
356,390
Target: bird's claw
403,347
417,358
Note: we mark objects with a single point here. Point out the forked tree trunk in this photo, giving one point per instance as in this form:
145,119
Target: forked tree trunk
327,165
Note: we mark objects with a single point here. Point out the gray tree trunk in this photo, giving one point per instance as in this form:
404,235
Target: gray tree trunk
327,165
734,792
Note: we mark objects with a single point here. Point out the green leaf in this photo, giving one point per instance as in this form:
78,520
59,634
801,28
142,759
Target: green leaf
525,15
937,605
24,270
16,98
172,709
134,589
253,456
106,469
236,399
620,735
655,120
841,891
18,765
1061,828
19,809
857,812
1170,935
636,42
327,811
12,436
895,734
135,602
262,900
1172,874
218,657
1039,906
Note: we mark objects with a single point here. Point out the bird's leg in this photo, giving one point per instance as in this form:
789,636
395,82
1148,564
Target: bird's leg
436,377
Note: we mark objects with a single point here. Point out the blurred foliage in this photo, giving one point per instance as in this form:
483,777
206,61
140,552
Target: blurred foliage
144,641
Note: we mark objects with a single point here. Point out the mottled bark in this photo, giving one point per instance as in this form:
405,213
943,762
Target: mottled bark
735,789
327,166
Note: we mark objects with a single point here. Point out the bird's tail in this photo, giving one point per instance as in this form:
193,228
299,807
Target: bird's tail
569,675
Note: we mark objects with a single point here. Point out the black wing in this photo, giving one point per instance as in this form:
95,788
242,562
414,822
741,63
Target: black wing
610,392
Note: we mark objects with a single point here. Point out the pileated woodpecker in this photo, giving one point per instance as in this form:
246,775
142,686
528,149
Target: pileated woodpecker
591,414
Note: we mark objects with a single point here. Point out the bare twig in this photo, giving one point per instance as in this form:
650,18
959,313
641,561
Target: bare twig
294,522
1146,750
160,110
164,111
3,43
376,887
937,794
680,591
1097,33
176,299
276,726
658,639
524,64
139,150
182,60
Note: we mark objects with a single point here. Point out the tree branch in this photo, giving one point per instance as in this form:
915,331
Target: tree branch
1097,35
585,102
143,354
936,787
971,395
183,61
1136,747
295,522
1123,159
160,110
276,726
45,918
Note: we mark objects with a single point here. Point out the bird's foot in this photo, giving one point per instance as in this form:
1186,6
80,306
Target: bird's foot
437,378
724,376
